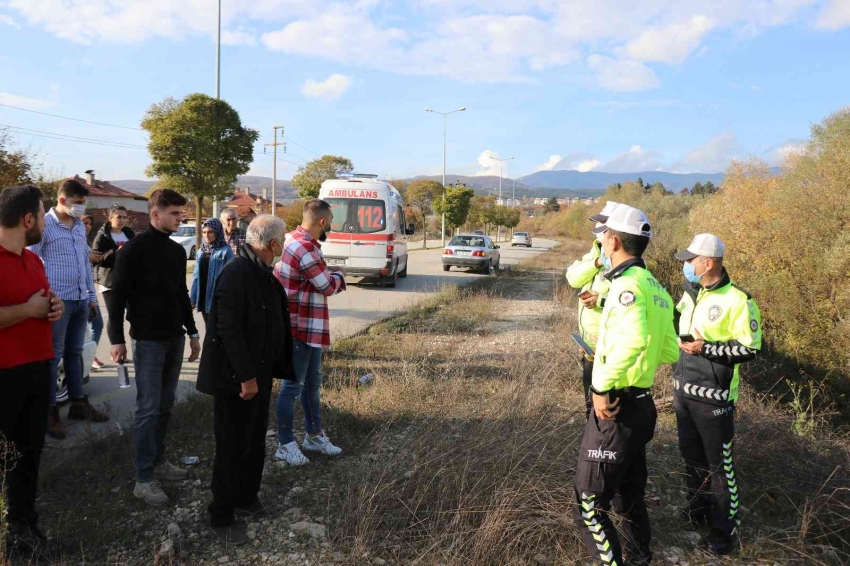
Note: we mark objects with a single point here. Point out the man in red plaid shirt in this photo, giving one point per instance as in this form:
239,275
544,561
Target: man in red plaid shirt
308,283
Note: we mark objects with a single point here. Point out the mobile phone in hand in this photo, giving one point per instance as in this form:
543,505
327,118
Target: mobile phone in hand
583,295
687,337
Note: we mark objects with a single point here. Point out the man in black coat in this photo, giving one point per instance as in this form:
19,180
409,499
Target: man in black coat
248,344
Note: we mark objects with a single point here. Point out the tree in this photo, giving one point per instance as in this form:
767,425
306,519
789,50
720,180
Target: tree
421,195
552,205
479,211
455,205
198,146
16,167
698,189
685,191
709,188
309,178
511,218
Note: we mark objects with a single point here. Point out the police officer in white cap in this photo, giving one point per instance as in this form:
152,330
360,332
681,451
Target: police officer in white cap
587,275
636,335
719,328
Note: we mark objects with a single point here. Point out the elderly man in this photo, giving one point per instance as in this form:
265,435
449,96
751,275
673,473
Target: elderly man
249,343
28,310
233,234
719,329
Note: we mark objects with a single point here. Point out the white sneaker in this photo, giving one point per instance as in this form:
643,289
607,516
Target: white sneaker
151,493
321,444
291,454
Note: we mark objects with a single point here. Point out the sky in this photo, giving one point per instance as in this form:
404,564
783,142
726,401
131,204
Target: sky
602,85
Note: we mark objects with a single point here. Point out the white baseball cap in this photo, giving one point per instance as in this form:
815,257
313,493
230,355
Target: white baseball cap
606,211
703,245
627,219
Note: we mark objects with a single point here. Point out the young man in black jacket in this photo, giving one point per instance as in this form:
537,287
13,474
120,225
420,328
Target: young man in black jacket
248,344
149,281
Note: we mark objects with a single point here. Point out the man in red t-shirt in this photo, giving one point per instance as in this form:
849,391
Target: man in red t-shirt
27,309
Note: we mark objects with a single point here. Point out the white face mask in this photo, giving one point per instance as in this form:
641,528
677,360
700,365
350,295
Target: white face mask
76,210
600,235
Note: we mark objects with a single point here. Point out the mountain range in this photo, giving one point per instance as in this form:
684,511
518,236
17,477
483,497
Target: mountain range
539,184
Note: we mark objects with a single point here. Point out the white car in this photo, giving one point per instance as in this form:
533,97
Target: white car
89,350
185,236
521,239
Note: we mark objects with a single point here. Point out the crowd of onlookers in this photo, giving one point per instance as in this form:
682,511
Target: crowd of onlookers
262,294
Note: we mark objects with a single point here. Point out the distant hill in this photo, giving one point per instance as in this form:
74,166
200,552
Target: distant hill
597,180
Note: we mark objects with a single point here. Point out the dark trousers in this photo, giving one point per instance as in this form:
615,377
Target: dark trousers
706,434
24,405
612,462
586,379
240,453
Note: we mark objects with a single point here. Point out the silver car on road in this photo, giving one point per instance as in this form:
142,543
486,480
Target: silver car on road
521,239
469,250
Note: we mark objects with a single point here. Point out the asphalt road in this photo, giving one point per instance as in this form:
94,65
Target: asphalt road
363,304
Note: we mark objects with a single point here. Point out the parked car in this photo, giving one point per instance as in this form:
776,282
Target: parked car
473,251
185,236
479,233
521,239
89,350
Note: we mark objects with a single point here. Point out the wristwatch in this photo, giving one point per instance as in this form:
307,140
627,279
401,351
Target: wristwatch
195,336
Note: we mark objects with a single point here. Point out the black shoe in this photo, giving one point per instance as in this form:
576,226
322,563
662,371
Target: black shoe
695,518
28,540
256,509
721,544
233,534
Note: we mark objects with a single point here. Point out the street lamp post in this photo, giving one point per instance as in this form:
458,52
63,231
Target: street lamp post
498,228
444,115
217,85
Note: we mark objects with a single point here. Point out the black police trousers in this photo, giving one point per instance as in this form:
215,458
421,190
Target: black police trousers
612,462
706,434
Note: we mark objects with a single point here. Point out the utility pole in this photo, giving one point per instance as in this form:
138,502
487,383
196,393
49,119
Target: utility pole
217,86
274,168
498,228
444,115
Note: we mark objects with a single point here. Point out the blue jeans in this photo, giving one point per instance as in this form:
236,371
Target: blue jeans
97,327
69,335
308,370
157,364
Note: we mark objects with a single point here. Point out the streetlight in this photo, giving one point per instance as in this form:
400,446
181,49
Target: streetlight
498,228
444,114
217,85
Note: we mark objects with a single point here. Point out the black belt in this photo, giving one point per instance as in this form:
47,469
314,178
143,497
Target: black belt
629,393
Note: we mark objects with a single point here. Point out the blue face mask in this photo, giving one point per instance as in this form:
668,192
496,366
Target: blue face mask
690,273
606,261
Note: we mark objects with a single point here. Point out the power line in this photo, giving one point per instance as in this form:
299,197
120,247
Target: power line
65,137
279,159
301,146
68,118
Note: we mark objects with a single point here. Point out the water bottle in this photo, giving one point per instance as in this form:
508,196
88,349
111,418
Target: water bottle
123,376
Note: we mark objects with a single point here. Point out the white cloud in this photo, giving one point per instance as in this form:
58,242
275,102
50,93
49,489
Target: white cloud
635,160
490,167
670,44
621,75
23,101
777,155
466,40
712,157
9,21
583,162
835,16
329,89
238,36
550,163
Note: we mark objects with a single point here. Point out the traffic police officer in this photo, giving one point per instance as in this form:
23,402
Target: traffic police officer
719,328
588,276
636,335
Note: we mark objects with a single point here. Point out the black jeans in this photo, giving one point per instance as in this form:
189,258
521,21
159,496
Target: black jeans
706,435
24,406
240,453
612,461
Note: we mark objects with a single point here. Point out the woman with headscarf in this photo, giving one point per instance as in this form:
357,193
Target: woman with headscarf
212,256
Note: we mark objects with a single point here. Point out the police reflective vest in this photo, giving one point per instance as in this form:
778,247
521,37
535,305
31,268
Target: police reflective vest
636,332
730,323
583,274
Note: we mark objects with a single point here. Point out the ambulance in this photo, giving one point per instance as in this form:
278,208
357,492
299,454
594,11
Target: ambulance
369,231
